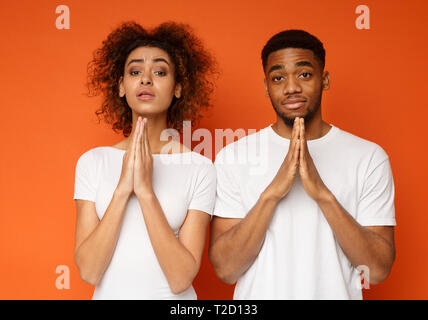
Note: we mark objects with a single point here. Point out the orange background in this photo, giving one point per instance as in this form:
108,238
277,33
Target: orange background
378,92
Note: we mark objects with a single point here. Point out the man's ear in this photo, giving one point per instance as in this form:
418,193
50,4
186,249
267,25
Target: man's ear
121,88
266,88
177,92
325,80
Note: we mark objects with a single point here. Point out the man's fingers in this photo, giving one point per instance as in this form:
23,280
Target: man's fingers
302,141
294,132
296,151
294,137
302,134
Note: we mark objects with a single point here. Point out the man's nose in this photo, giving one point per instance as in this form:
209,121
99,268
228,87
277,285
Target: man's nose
292,86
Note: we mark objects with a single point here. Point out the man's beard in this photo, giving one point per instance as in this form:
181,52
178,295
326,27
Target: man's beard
290,121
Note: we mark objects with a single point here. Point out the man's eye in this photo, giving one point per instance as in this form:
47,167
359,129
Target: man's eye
277,78
306,75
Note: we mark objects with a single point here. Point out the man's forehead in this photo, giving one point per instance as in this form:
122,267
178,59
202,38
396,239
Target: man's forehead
291,56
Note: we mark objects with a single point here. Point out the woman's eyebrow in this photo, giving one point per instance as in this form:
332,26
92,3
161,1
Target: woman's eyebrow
160,60
154,60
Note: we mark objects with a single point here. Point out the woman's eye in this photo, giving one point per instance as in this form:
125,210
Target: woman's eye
158,73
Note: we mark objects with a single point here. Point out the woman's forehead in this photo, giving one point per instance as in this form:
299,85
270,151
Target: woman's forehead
146,53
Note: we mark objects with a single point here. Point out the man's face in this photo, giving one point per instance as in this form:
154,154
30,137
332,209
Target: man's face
294,82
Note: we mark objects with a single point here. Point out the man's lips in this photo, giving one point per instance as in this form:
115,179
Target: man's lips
294,104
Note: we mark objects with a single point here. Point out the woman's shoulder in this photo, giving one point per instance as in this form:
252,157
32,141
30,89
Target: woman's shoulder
92,154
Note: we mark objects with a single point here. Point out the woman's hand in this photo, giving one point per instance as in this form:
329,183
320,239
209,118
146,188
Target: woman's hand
126,180
143,166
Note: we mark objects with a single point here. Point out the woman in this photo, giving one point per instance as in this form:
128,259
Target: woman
142,214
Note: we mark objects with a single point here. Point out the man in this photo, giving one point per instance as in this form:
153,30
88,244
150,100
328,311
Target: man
322,213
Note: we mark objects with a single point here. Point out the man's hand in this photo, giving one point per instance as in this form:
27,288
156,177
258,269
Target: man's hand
282,182
309,175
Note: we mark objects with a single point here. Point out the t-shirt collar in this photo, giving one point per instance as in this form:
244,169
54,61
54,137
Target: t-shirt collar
322,139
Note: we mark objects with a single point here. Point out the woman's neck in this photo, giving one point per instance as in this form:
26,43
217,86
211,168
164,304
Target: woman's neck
155,127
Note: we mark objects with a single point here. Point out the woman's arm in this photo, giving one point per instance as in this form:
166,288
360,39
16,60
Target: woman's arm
95,239
180,257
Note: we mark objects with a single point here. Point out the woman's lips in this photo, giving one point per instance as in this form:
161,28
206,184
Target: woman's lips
145,97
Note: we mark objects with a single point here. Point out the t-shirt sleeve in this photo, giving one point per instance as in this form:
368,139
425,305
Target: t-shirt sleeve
204,193
84,184
228,202
376,204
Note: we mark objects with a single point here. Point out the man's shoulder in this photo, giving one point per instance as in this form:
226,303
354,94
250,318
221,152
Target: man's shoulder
355,145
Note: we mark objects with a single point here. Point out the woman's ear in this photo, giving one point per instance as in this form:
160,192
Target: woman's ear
177,92
121,88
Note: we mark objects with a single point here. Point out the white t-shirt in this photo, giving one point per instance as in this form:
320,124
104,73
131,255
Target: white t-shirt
181,181
300,257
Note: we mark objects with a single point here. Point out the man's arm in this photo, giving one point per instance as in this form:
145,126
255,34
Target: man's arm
235,243
370,246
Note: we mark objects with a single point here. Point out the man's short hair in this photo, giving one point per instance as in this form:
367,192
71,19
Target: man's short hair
294,39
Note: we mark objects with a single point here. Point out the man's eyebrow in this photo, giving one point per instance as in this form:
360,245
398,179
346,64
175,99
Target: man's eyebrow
304,64
154,60
276,67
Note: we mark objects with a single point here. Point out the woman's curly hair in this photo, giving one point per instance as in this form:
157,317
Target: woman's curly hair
194,68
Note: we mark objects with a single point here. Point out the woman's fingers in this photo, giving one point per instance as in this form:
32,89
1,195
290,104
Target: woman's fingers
145,139
126,181
138,142
135,134
134,138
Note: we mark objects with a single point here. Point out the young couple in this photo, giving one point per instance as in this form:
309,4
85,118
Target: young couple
320,213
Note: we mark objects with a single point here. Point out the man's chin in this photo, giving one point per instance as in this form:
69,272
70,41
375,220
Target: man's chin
289,122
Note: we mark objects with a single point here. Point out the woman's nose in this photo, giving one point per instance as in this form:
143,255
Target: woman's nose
146,78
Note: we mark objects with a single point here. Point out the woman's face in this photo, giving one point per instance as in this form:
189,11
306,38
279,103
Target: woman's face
148,81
